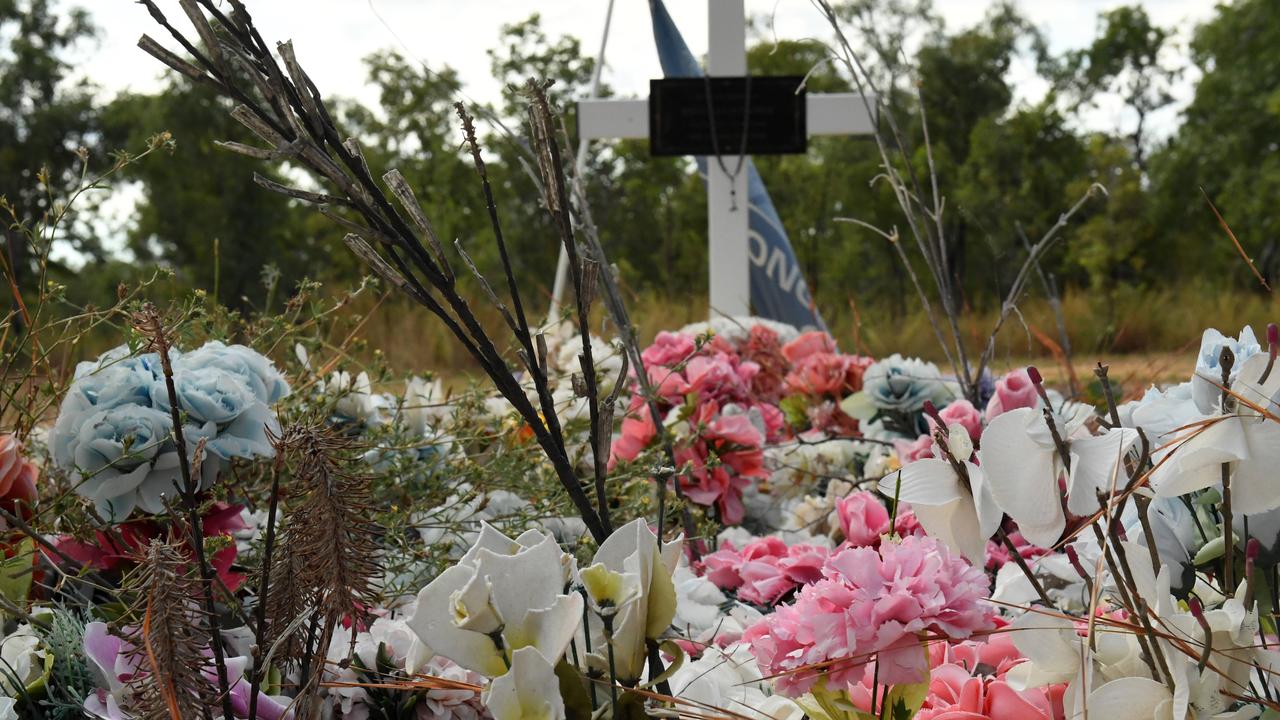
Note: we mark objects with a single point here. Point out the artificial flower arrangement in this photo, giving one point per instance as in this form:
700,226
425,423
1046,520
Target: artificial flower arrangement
1028,558
736,521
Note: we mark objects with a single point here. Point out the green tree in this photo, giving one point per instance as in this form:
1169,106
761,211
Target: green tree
44,118
1127,58
201,213
1227,144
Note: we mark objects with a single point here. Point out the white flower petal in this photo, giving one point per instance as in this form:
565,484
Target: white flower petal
529,691
1095,465
1022,475
1135,698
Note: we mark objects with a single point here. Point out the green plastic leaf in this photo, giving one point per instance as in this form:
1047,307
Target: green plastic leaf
1211,551
15,573
573,690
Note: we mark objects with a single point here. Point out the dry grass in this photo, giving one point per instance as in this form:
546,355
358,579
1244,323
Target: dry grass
1145,336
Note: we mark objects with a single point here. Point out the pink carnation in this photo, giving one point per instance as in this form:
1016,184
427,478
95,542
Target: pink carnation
872,603
1013,391
764,570
807,344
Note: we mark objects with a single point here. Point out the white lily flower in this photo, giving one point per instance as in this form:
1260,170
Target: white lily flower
961,514
635,550
528,691
502,596
1022,467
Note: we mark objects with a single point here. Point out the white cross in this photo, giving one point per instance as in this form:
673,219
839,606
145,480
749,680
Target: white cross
727,221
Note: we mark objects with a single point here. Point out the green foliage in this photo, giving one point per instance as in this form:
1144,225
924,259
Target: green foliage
45,117
1006,168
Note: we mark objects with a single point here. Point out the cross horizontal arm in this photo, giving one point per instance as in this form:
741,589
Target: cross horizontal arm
840,114
599,119
828,114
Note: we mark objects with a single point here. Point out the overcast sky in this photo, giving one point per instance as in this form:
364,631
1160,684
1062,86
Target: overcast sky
331,36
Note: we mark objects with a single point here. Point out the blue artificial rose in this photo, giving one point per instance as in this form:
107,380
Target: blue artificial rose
120,438
255,370
246,436
898,384
206,395
114,432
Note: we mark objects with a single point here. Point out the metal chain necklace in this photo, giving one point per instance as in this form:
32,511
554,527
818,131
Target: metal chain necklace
742,147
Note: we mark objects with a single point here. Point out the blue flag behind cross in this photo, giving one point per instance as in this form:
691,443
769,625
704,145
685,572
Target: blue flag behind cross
778,288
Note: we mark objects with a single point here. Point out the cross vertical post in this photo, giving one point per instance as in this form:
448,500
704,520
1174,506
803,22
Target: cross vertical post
728,207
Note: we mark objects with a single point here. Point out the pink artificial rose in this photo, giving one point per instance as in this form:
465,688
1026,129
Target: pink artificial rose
955,694
826,374
722,567
763,582
803,563
17,476
863,519
919,449
668,349
964,414
807,344
637,433
906,524
1013,391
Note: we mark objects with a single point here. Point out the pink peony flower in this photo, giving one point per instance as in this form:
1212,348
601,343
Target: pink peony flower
872,603
962,413
863,519
807,344
1013,391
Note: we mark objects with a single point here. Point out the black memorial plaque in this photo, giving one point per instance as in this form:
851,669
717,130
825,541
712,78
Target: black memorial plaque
767,109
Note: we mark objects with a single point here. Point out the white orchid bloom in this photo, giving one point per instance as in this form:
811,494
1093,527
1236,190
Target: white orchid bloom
502,596
958,511
1197,696
425,405
1208,374
634,550
1022,466
528,691
1247,441
355,398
